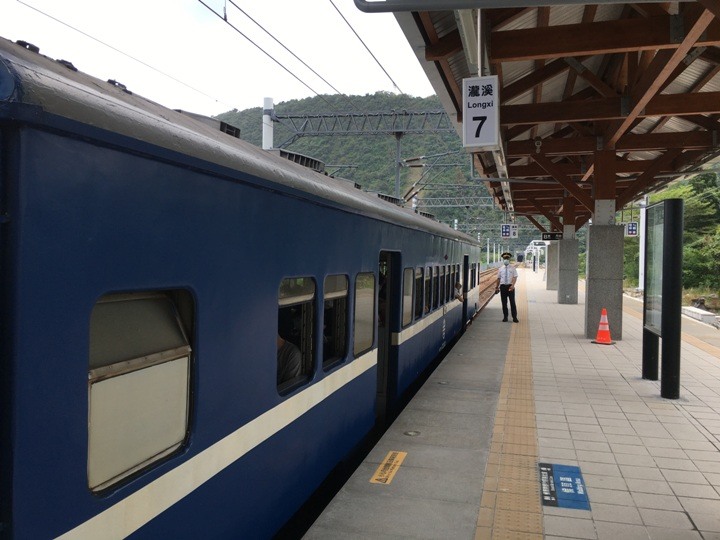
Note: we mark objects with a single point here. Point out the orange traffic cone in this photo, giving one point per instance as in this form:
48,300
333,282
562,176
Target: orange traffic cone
603,333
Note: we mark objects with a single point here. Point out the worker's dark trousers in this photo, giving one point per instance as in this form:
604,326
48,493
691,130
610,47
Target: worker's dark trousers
506,294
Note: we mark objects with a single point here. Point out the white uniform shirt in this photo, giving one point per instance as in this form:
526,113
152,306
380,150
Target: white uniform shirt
506,274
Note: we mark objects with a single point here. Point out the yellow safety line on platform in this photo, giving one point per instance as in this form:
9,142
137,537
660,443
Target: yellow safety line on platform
510,506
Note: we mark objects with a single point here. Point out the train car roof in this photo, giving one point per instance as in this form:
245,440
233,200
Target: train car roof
58,88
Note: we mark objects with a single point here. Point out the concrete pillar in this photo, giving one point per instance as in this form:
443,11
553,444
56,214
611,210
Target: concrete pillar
604,285
551,267
568,271
568,250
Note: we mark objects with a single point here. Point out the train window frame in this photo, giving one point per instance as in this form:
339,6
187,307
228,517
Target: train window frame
419,292
151,361
297,297
367,315
408,311
449,285
443,280
336,308
428,289
436,288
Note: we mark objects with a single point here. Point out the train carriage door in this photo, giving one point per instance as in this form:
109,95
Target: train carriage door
465,287
388,323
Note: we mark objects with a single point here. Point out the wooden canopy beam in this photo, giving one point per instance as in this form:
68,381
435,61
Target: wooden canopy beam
536,223
658,73
610,108
645,179
588,39
564,180
649,142
546,212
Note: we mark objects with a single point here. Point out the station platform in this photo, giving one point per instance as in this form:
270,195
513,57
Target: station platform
462,460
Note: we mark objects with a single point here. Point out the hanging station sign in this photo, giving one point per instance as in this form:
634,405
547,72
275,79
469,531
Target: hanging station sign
481,103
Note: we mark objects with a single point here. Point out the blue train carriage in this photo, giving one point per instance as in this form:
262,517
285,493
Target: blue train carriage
150,263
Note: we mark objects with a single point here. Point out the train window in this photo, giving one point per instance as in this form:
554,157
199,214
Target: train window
138,382
296,324
418,292
428,289
448,284
443,279
436,287
408,286
335,319
364,312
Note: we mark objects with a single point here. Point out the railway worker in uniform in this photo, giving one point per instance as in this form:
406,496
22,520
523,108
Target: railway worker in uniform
505,285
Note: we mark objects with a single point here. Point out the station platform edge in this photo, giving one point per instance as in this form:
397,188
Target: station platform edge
510,397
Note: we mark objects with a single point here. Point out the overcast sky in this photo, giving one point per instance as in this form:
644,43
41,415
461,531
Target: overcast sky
180,54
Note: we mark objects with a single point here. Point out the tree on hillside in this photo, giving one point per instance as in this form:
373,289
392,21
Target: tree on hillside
370,160
701,234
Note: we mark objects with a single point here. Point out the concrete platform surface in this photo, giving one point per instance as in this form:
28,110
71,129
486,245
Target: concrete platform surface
510,396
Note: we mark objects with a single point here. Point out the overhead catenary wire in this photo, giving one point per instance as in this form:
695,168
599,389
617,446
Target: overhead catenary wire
271,57
291,52
216,100
367,48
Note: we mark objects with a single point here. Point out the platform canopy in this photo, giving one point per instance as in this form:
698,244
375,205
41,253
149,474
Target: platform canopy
596,101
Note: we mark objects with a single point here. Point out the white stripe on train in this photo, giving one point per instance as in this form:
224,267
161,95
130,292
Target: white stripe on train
128,515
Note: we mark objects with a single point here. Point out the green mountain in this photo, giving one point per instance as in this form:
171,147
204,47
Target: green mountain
369,160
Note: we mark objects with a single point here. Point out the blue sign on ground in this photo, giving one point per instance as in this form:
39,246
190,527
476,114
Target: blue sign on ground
563,486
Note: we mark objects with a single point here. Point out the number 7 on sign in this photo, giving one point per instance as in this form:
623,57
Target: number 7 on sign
480,120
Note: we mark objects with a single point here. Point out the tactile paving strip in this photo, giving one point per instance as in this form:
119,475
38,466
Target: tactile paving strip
510,506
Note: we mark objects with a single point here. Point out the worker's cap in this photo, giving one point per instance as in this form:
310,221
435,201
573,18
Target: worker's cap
506,255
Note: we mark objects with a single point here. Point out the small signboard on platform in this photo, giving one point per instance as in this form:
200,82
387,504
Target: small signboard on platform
552,236
631,228
509,230
562,486
387,469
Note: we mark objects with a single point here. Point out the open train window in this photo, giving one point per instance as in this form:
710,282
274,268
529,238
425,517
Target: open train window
364,318
418,292
408,286
295,336
335,319
138,382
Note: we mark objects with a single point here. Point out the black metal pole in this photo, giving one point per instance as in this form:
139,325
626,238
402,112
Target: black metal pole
650,355
672,298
